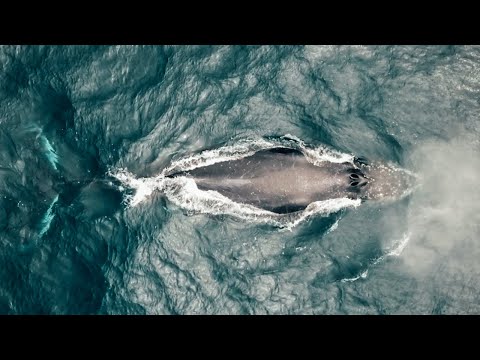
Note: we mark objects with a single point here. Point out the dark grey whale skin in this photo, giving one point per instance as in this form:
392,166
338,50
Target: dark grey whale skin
280,180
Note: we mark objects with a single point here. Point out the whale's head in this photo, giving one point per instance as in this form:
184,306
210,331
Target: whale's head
377,181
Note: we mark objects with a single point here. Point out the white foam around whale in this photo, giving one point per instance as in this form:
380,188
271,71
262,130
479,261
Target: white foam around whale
184,193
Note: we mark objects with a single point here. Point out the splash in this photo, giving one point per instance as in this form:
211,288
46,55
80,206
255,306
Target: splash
363,275
333,227
399,246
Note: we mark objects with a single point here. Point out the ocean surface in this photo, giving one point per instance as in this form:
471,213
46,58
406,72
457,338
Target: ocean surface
89,224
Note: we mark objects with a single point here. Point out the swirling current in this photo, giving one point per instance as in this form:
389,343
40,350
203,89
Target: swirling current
90,224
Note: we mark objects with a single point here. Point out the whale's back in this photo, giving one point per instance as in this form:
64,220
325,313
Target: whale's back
280,180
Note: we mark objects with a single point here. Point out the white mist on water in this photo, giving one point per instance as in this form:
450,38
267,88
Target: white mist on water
444,213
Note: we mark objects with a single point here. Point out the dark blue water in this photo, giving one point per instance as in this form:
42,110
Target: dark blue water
88,225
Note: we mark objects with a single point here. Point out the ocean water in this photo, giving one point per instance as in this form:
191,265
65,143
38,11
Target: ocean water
90,225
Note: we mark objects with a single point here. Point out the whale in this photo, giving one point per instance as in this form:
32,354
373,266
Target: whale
283,180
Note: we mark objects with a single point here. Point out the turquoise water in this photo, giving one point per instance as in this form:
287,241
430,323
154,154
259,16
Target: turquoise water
89,225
